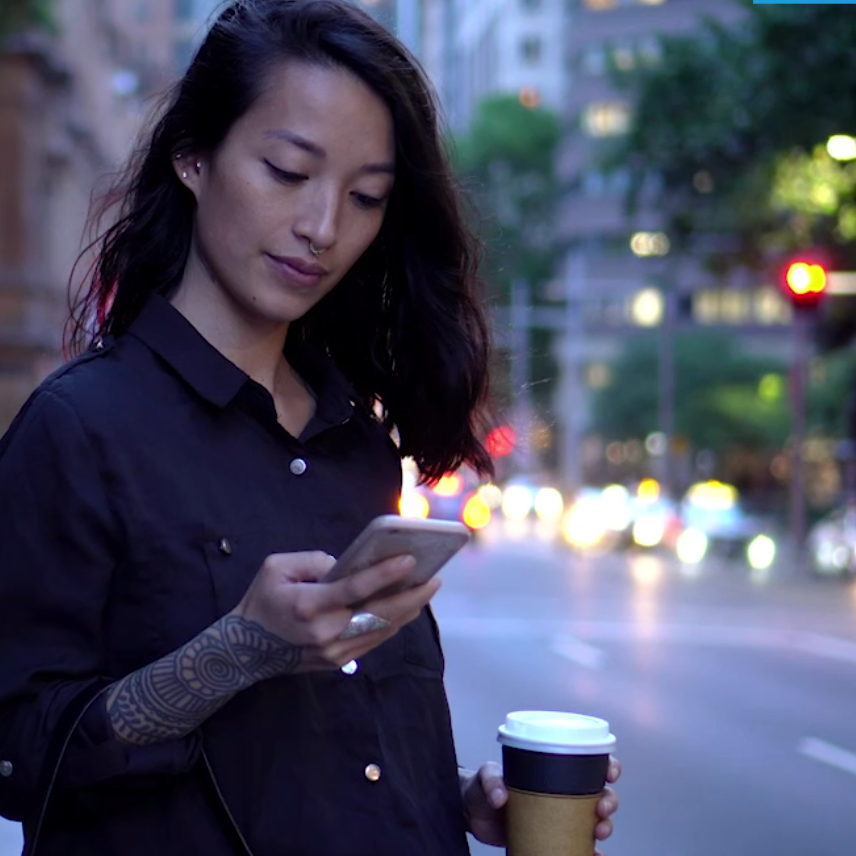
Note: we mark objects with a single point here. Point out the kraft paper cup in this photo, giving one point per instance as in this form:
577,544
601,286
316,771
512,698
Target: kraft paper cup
555,767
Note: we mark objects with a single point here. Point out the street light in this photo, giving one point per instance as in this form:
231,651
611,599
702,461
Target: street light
841,147
805,281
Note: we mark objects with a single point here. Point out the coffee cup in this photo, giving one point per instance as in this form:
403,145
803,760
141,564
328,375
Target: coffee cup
555,766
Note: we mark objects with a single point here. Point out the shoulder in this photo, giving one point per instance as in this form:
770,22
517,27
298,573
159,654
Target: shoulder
85,390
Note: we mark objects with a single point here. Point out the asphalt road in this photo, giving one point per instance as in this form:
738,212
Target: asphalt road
733,698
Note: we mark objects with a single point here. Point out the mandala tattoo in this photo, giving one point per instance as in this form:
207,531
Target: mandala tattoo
176,694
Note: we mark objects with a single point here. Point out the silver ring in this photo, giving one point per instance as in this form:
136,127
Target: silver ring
315,251
364,622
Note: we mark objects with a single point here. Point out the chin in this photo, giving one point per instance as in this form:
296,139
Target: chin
280,309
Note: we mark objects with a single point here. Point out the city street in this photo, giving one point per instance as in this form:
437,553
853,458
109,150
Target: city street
733,699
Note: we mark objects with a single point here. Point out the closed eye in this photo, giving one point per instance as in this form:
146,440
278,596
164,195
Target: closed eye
365,201
285,176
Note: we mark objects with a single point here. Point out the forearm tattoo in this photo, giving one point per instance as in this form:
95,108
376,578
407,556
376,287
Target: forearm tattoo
173,696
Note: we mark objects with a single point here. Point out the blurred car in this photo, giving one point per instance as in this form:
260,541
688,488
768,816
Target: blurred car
532,495
713,521
831,543
455,496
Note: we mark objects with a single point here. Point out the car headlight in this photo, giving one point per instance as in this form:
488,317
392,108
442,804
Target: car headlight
761,552
692,546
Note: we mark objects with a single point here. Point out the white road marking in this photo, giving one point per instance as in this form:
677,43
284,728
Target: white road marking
498,627
827,646
828,753
578,652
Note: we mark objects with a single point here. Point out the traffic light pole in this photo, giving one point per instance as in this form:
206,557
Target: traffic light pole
799,376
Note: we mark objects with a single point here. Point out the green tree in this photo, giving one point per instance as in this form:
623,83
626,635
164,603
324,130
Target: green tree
733,400
508,162
726,133
19,15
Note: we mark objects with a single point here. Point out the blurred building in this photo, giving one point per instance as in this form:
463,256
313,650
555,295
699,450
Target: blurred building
472,49
503,46
621,275
70,107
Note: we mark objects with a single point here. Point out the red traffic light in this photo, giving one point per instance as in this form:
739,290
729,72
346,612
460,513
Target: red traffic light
806,282
501,441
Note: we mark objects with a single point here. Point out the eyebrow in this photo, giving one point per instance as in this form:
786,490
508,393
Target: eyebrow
316,150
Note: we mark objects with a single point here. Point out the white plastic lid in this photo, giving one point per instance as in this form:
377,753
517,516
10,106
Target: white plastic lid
557,733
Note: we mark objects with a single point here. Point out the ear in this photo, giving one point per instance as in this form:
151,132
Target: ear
188,168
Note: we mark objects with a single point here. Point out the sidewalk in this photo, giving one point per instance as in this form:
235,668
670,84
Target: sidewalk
11,840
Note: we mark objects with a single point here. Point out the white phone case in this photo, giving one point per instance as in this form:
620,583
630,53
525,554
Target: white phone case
431,542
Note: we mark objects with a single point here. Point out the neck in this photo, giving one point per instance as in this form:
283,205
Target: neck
250,342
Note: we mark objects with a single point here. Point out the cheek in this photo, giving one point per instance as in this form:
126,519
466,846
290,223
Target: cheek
230,213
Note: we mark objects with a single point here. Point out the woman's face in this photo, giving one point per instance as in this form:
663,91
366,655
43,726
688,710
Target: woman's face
310,164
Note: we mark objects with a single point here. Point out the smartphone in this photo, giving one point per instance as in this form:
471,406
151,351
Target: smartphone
431,542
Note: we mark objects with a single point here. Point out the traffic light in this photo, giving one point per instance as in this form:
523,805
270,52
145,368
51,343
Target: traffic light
805,282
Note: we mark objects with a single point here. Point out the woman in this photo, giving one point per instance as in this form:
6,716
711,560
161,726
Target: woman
290,262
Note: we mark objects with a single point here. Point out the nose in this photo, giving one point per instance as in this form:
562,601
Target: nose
318,219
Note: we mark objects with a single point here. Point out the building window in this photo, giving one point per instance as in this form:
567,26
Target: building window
593,183
593,60
648,50
184,10
531,48
623,57
606,119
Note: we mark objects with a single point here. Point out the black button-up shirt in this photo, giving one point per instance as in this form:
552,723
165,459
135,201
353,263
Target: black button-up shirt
141,487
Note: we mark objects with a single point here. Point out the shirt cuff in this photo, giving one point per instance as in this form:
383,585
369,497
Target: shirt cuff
95,754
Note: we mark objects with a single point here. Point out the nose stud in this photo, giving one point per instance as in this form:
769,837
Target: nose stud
315,251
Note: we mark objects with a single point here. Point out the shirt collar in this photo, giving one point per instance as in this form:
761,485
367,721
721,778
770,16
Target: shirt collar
163,329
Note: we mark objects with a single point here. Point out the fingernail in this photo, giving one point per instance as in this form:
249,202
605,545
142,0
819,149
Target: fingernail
405,563
496,797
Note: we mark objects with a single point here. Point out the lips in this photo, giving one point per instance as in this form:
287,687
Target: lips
296,271
309,268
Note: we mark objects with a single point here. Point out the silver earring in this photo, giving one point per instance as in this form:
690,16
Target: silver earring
198,165
184,174
315,251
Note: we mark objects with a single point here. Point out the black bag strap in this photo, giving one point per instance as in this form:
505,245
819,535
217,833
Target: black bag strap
61,737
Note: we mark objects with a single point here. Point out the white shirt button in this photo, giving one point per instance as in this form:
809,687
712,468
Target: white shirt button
6,769
298,466
351,668
372,773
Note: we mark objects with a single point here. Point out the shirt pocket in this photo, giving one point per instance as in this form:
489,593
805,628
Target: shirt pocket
234,559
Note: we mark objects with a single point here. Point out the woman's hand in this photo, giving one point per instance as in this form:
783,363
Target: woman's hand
485,796
288,599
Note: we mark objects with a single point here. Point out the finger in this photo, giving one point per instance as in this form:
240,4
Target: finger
614,771
603,830
364,585
407,604
493,784
310,567
607,804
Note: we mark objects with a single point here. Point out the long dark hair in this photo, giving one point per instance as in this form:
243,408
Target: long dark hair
407,324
